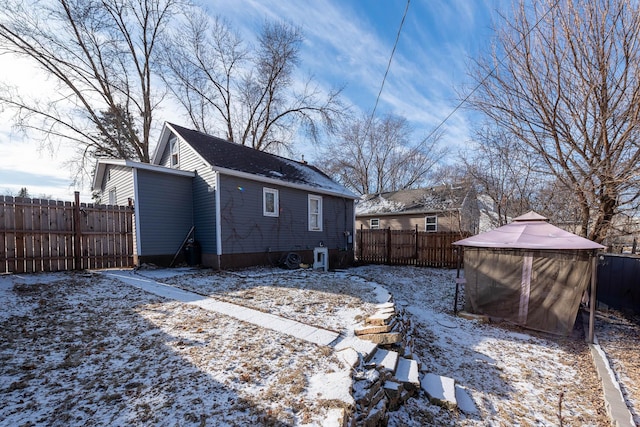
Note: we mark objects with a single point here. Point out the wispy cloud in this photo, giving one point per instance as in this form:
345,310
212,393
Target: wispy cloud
348,43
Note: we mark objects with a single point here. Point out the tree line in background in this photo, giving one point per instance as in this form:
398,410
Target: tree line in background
559,91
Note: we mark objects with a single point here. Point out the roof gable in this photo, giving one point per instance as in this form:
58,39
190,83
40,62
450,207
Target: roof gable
225,156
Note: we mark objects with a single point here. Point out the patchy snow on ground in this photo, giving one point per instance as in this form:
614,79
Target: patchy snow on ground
86,349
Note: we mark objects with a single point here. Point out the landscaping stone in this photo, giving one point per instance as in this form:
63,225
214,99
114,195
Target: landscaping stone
363,347
385,359
393,390
386,310
441,390
379,319
388,304
465,402
364,330
470,316
349,357
383,339
363,392
407,372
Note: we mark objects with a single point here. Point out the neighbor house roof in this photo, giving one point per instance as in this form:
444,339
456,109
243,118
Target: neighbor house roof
416,201
529,231
235,159
101,168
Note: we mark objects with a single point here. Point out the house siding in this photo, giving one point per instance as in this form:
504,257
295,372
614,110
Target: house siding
204,201
120,178
245,229
165,212
447,221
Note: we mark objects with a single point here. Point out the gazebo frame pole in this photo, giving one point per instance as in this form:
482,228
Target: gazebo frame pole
455,300
592,299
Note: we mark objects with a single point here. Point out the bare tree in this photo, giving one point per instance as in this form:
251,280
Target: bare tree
564,79
504,171
247,94
100,54
378,155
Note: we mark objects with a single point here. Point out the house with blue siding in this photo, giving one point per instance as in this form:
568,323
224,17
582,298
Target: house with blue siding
241,206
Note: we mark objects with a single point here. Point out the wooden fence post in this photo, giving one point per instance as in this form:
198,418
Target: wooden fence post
77,260
361,245
415,236
388,255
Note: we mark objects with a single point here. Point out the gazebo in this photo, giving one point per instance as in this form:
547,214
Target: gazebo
528,272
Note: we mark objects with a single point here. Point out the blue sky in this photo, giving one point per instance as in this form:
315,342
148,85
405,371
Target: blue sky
347,43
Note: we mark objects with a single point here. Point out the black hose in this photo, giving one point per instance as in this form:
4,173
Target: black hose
292,261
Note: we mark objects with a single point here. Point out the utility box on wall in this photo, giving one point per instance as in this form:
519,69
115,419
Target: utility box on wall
321,258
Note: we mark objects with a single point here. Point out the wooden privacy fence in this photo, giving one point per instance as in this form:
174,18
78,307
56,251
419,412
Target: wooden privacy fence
47,235
408,247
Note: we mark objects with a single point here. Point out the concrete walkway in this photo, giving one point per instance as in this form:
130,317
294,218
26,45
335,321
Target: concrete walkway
265,320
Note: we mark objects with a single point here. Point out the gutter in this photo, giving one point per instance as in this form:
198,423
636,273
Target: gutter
273,181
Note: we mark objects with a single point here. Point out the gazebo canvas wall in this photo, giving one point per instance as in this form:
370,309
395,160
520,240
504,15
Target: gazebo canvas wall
528,272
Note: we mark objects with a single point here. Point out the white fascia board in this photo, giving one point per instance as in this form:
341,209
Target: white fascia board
281,183
160,169
162,142
177,134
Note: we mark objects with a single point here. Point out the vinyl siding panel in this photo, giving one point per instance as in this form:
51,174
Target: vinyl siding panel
203,188
246,230
447,221
165,212
119,178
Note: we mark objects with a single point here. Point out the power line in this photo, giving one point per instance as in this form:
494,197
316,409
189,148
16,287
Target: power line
384,79
466,98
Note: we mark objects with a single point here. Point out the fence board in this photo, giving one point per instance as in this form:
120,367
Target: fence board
407,247
45,235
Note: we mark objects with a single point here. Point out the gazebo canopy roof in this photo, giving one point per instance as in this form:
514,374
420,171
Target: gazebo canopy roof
529,231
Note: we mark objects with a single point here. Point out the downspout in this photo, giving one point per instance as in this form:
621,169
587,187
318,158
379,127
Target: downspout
136,212
218,218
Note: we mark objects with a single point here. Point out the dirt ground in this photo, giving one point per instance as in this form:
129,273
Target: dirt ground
79,350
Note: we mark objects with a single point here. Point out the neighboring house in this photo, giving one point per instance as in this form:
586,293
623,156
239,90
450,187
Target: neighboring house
246,207
442,208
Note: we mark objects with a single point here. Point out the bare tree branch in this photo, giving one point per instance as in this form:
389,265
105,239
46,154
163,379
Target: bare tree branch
248,94
373,156
100,54
563,78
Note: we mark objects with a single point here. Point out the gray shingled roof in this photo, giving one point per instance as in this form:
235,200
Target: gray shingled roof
422,200
220,153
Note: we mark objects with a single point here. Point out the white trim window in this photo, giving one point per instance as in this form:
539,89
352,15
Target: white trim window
315,213
431,223
270,202
175,151
374,223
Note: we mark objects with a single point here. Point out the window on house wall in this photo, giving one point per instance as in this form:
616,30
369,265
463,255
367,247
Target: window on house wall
374,223
315,213
175,153
112,196
431,223
270,202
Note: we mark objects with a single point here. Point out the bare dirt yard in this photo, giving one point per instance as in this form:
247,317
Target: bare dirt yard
86,349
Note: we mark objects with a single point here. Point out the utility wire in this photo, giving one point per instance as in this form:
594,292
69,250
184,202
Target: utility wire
466,98
393,51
